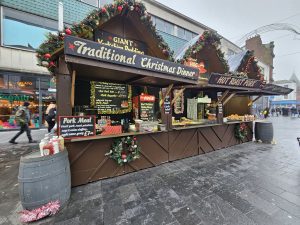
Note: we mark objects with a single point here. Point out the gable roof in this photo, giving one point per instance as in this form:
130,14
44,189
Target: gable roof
96,19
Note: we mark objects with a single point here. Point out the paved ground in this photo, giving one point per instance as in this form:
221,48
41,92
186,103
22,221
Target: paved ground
249,184
7,135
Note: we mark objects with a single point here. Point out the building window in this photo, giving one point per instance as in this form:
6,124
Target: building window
91,2
15,89
188,35
104,2
23,30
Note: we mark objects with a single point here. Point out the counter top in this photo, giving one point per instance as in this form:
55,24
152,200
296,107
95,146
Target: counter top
233,122
97,137
196,126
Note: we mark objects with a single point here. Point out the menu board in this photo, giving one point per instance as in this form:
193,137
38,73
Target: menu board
110,98
147,111
76,126
167,104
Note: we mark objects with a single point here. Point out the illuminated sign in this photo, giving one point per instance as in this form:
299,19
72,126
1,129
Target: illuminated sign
11,98
193,63
24,83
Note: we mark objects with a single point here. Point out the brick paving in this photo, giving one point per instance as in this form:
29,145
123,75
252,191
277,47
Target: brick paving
252,183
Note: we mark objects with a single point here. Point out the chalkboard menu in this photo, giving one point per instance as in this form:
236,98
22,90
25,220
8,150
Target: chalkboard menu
147,111
110,98
76,126
167,104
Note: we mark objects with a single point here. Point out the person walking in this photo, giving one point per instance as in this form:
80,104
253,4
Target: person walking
22,118
50,115
266,112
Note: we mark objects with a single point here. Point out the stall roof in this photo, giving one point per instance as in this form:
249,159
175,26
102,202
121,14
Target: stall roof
223,82
86,57
268,90
234,61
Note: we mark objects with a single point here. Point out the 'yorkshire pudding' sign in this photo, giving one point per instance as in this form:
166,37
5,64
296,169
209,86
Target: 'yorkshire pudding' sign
230,81
93,50
116,41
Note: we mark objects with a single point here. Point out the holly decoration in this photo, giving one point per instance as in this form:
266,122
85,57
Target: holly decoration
124,150
240,131
85,29
209,39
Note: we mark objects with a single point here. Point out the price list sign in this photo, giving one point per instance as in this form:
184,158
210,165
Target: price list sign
76,126
110,98
147,107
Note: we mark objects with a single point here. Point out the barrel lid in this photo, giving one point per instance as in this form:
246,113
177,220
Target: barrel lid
36,156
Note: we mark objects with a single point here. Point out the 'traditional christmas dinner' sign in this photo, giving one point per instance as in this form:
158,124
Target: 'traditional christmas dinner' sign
76,126
225,80
116,41
93,50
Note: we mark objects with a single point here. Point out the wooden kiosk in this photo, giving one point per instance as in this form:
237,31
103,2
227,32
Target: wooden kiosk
114,68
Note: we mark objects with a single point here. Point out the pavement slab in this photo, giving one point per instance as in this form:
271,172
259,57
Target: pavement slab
248,184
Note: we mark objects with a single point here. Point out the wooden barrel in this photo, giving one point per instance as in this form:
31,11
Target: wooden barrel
264,131
44,179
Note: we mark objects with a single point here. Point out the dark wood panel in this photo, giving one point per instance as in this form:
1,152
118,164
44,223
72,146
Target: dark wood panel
204,144
89,163
183,144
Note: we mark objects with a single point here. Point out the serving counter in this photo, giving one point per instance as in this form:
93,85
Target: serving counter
88,161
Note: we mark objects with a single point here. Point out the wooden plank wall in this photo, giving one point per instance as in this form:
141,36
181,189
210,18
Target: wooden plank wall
88,161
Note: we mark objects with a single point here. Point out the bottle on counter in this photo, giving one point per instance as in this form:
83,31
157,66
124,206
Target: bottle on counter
61,142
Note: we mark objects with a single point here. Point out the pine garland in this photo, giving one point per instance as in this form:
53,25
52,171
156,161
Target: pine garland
244,67
85,29
240,131
124,150
208,38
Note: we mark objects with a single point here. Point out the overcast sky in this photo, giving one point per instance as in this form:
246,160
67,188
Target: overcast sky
235,18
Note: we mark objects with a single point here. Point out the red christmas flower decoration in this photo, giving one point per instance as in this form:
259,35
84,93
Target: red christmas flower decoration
47,56
120,8
68,31
103,10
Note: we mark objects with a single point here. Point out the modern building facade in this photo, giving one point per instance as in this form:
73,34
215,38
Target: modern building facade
286,101
290,100
23,27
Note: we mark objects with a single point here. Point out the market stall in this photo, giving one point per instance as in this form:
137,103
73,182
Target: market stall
124,105
111,82
197,117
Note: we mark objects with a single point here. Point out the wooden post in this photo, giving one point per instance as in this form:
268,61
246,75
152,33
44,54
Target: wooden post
229,97
166,93
73,88
63,87
221,98
251,102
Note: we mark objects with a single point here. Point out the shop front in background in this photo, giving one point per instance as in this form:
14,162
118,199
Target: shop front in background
17,88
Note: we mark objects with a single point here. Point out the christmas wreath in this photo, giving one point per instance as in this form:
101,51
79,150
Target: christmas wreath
124,150
240,131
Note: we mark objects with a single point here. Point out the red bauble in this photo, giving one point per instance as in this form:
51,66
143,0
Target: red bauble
134,138
68,31
103,10
51,64
120,8
123,156
47,56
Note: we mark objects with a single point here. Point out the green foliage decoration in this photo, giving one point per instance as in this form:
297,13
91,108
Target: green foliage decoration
124,150
86,27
